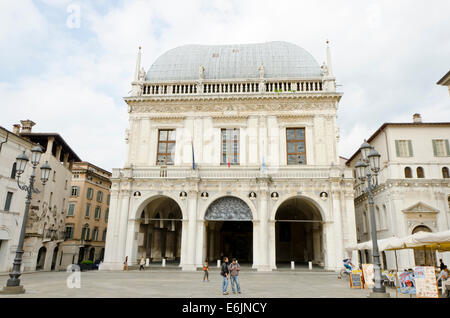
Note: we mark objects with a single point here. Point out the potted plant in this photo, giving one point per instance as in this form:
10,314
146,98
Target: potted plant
86,265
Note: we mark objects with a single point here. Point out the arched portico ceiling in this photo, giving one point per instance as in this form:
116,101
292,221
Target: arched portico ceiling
229,209
298,208
163,206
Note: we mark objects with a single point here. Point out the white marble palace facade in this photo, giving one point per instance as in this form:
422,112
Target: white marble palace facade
232,151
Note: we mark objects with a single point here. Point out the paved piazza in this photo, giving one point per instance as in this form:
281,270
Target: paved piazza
174,283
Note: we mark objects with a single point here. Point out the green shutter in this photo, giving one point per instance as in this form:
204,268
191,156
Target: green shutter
447,146
411,154
397,148
434,148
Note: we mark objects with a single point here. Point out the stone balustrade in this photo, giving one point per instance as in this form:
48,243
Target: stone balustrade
241,172
246,87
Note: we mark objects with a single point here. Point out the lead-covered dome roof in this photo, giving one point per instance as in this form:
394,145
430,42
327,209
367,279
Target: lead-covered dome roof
241,61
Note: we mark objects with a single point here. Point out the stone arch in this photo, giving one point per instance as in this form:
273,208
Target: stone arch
288,197
298,231
143,201
228,208
246,200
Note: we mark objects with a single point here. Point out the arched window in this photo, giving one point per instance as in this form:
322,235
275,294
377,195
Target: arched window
420,173
14,170
445,172
365,222
408,172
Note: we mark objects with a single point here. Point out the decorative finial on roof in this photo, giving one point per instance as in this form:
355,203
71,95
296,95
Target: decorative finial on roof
330,69
138,65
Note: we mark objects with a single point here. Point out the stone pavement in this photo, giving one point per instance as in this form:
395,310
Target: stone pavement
174,283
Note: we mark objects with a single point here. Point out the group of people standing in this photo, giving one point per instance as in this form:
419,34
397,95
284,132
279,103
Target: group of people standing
229,272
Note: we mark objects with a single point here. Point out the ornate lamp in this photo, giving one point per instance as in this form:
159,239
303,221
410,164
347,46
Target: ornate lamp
374,160
45,172
36,153
365,150
21,162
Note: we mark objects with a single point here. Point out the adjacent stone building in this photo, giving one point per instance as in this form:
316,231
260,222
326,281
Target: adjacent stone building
87,214
232,150
414,188
46,219
12,199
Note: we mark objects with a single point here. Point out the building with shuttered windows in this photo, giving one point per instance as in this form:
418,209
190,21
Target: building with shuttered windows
414,188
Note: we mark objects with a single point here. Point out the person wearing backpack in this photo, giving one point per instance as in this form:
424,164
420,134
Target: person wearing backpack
234,269
225,274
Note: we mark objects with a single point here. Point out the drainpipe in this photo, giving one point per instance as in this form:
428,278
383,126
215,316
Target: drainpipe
3,142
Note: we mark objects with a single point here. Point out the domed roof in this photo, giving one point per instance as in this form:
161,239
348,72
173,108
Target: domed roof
242,61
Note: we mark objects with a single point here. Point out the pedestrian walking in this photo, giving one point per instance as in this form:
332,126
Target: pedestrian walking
205,269
125,264
234,269
441,264
142,263
225,273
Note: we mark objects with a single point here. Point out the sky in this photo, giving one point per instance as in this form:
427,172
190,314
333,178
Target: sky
67,65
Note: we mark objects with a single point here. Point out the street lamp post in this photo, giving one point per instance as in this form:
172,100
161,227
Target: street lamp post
367,172
13,284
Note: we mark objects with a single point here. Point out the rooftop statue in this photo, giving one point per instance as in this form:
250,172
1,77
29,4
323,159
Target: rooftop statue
201,71
261,71
141,75
324,69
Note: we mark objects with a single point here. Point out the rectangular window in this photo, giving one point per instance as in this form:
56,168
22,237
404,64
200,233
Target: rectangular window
106,214
95,234
99,196
8,201
75,191
296,148
104,235
441,148
68,232
108,199
98,212
230,146
90,193
71,211
88,210
166,147
404,148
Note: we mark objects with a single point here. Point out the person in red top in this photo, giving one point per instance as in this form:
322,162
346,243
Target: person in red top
205,269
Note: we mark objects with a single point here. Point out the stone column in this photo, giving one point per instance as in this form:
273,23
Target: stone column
184,244
272,245
156,253
122,228
264,228
58,152
192,229
50,145
351,222
337,225
170,245
111,260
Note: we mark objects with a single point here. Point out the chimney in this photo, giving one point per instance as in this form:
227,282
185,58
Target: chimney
27,125
16,129
417,118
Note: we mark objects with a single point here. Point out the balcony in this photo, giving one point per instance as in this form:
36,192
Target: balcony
234,172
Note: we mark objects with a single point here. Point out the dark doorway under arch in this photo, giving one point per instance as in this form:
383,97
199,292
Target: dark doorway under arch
41,258
298,232
55,255
229,230
160,231
423,257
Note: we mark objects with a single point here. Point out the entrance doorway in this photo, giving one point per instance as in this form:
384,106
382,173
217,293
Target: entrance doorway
423,257
41,258
160,231
55,255
298,232
229,230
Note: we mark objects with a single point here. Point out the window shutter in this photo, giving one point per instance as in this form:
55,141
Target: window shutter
397,148
411,154
447,146
434,148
